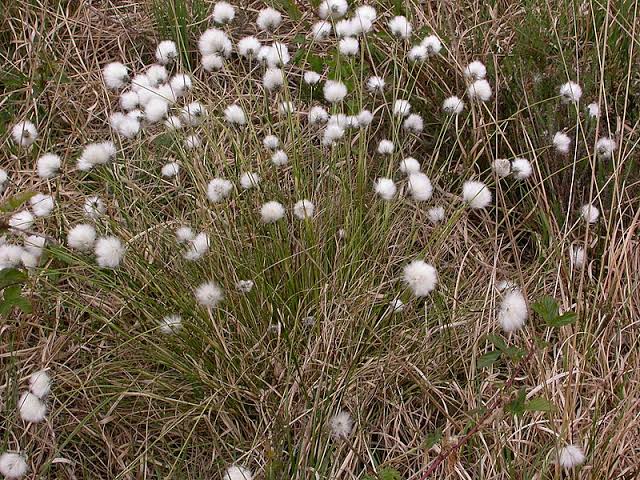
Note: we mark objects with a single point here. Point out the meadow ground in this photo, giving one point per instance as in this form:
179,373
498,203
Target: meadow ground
319,350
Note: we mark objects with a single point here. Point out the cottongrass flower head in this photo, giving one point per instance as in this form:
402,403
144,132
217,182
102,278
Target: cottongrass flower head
10,255
13,465
31,408
94,207
193,113
593,110
166,52
248,47
125,125
349,46
237,472
170,324
317,115
268,19
22,220
334,91
513,311
277,55
413,123
589,213
82,237
321,30
571,456
333,9
180,84
502,167
432,44
218,189
157,74
345,28
40,383
366,12
605,147
303,209
570,92
396,305
234,115
479,90
385,147
375,84
212,62
129,100
401,108
311,77
577,257
4,177
521,168
561,142
24,133
400,27
417,53
41,204
249,180
420,277
420,187
184,234
476,194
436,214
341,425
48,165
364,118
156,110
331,134
271,212
409,165
273,78
209,294
286,108
198,247
279,158
109,252
115,75
475,70
170,170
453,105
191,142
385,188
244,286
214,41
96,154
271,142
223,12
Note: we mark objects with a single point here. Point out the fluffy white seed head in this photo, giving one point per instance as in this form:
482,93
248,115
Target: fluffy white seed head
170,324
479,90
364,118
303,209
193,113
22,220
420,277
286,108
170,169
453,105
214,41
513,311
129,100
96,154
396,305
125,125
48,165
34,245
593,110
385,188
570,92
273,78
375,84
223,12
212,62
94,207
244,286
413,123
331,134
10,255
271,142
333,9
249,180
475,70
82,237
41,204
166,52
400,27
271,212
209,294
109,252
571,456
249,47
334,91
218,189
577,257
385,147
366,12
156,110
115,75
436,214
605,147
409,165
40,383
501,166
237,472
345,28
321,30
311,77
277,55
198,247
318,115
349,46
31,408
476,194
420,187
432,44
521,168
191,142
180,84
269,19
235,115
13,465
184,234
24,133
173,123
157,75
401,108
341,425
561,142
589,213
279,158
417,53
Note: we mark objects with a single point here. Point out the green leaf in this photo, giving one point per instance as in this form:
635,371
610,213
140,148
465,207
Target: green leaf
15,202
488,359
547,308
516,407
11,276
514,353
386,473
432,439
566,318
13,298
497,341
539,404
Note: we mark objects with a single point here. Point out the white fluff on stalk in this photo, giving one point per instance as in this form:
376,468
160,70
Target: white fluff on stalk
589,213
109,252
501,166
420,277
571,456
513,313
271,212
570,92
94,207
40,383
476,194
561,142
166,52
209,294
268,19
48,165
341,425
31,408
385,188
13,465
218,189
521,168
420,187
82,237
303,209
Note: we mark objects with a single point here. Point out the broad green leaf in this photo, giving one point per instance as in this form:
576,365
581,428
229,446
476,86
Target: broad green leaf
488,359
432,439
547,308
12,297
566,318
15,202
539,404
11,276
514,353
516,407
497,341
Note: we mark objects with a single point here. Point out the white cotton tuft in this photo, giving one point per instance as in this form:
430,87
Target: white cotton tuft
269,19
125,125
286,108
193,113
366,12
192,142
214,41
82,237
401,108
209,294
249,47
501,166
561,142
277,55
364,118
237,472
333,9
513,311
409,165
22,220
420,187
420,277
521,168
96,154
273,78
223,12
570,92
571,456
166,52
272,212
24,133
94,207
311,77
115,75
41,204
157,74
34,245
349,46
577,257
385,188
332,133
385,147
212,62
334,91
476,194
184,234
413,123
249,180
13,465
170,324
271,142
400,27
341,425
321,30
436,214
48,165
180,84
3,179
375,84
279,158
318,115
156,110
31,408
432,44
303,209
453,105
396,305
589,213
475,70
40,383
10,256
170,169
109,252
605,147
235,115
198,247
593,110
479,90
417,53
173,123
218,189
345,28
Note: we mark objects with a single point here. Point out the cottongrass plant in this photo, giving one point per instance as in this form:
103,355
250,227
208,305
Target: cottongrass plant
258,229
